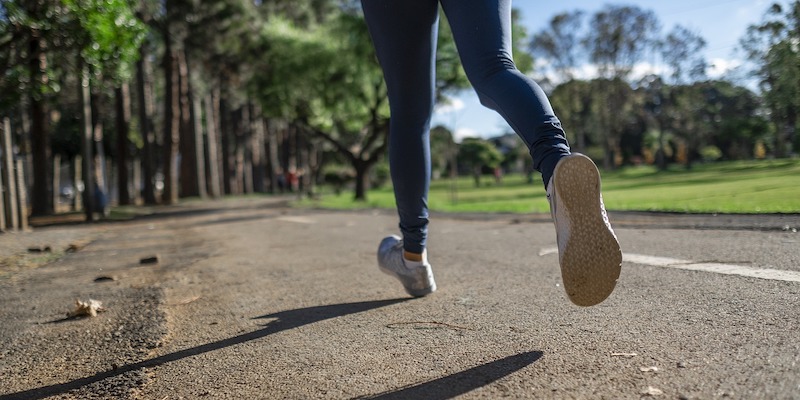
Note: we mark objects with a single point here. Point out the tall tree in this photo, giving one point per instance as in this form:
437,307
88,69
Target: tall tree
617,39
340,99
30,30
443,150
102,33
478,154
773,46
682,50
559,45
145,101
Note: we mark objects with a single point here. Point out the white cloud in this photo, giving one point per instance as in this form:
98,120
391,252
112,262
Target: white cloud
719,66
643,69
461,133
451,105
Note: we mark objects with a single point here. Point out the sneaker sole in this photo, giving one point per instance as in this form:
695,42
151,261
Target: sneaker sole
406,283
592,259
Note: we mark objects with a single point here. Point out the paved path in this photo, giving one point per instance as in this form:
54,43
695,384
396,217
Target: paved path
252,300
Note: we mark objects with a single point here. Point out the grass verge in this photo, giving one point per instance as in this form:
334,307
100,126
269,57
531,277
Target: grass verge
749,187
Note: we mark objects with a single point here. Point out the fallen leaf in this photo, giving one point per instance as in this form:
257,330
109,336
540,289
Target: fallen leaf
186,301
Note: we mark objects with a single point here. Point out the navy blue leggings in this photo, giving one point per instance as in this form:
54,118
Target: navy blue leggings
404,33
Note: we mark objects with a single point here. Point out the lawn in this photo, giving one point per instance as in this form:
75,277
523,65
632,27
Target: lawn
769,186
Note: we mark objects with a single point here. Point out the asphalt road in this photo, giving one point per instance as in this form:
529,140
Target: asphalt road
250,299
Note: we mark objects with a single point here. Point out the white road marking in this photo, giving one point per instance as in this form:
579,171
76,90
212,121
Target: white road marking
297,220
718,268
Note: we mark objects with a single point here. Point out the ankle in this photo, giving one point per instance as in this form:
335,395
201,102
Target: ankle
412,256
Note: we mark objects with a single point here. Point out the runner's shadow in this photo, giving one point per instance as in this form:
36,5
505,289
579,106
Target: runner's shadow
286,320
462,382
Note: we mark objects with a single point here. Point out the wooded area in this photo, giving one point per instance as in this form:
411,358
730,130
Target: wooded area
146,102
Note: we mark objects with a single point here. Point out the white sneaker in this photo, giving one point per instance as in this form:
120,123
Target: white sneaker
588,250
417,281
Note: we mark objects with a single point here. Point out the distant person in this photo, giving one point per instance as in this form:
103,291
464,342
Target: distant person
404,33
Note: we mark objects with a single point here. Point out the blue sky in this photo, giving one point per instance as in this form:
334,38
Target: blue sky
720,22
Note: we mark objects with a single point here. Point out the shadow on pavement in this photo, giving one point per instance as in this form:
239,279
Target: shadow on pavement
465,381
286,320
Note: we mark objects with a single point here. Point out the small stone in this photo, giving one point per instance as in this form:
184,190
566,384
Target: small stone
149,260
37,249
681,364
651,391
73,247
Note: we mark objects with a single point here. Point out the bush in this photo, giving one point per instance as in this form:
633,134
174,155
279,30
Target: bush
710,153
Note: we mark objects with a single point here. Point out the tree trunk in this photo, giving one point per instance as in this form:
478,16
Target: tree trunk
41,204
580,131
56,181
77,179
661,154
200,164
362,179
314,166
274,162
257,148
123,103
225,139
99,173
146,126
8,176
172,115
86,146
302,164
213,146
234,146
188,152
245,152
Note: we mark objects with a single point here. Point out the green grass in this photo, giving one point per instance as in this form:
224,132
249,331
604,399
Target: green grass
769,186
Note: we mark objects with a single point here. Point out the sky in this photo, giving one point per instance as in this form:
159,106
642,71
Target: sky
720,22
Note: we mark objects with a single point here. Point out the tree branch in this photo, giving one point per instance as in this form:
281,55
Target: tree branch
330,139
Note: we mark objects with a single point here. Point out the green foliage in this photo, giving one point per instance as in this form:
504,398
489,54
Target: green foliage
450,75
522,58
443,149
380,175
325,75
478,154
104,32
111,35
710,153
773,47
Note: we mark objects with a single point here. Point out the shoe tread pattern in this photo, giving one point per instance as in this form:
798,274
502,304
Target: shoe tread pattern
591,263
